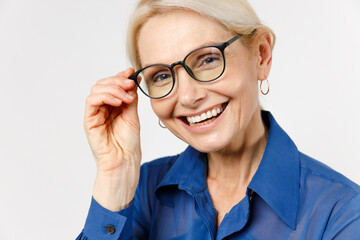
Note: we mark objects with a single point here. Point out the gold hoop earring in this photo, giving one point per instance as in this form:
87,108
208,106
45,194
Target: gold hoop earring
161,124
268,87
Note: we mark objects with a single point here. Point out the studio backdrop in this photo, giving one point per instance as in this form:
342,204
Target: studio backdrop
52,52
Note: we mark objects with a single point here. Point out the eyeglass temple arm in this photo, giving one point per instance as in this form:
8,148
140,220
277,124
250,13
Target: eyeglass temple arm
237,37
233,39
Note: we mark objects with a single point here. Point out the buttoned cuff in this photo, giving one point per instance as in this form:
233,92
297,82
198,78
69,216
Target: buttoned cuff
102,223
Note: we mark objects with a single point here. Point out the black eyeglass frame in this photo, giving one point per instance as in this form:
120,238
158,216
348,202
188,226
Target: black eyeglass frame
220,46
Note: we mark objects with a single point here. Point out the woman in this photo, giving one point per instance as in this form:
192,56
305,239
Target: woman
242,177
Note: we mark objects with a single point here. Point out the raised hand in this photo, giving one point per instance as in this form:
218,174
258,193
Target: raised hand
113,131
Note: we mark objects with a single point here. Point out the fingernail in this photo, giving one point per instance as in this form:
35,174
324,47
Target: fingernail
117,100
128,96
128,81
127,70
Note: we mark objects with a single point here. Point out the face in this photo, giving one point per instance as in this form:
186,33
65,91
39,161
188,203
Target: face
229,103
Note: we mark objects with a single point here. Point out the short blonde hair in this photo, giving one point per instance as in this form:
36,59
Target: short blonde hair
236,15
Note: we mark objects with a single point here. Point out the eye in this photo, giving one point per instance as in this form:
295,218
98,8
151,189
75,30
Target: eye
161,77
208,61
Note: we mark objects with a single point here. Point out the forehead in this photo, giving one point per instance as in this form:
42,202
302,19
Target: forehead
170,36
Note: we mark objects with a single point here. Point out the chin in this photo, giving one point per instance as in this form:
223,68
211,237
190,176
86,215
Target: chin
210,145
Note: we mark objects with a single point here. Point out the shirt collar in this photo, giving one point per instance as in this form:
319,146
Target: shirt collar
280,164
277,179
187,173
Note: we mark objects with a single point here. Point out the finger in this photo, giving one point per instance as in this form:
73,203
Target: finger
126,84
114,90
95,101
98,119
130,111
122,78
127,73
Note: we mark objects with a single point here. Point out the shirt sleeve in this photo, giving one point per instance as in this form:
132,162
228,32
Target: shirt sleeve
132,222
102,223
345,223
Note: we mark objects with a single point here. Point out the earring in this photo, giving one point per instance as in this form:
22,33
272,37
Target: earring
161,124
261,87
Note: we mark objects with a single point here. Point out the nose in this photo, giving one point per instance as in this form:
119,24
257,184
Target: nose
189,91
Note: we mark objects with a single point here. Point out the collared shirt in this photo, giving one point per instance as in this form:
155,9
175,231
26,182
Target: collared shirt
294,197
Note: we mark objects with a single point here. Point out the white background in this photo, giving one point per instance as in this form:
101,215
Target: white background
52,52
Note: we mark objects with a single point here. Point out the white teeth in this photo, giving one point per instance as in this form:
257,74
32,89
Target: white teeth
206,115
203,116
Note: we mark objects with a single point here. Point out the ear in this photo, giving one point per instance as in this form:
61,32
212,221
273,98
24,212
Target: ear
264,53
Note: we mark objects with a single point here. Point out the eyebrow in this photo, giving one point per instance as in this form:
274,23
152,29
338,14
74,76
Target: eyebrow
210,43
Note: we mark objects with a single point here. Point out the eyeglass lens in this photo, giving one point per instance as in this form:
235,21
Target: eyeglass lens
204,64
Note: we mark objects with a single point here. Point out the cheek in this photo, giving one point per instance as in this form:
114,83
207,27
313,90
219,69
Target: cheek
243,78
240,84
163,108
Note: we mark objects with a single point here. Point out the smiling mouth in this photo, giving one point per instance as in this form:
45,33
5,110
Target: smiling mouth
206,117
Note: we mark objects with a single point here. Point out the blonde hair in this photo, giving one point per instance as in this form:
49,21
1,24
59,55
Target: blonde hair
235,15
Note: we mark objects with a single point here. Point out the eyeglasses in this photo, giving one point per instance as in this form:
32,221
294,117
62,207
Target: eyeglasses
204,64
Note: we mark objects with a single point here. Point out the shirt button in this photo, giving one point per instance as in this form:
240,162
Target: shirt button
110,229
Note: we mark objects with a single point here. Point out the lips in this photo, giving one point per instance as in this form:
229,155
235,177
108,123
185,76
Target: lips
204,117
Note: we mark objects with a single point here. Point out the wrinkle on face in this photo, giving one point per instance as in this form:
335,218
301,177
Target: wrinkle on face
172,35
169,38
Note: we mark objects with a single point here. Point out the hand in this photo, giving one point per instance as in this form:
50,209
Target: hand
113,131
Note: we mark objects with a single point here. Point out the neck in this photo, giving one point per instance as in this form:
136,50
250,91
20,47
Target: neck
235,165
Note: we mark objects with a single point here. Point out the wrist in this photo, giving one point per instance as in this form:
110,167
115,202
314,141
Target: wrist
108,167
115,190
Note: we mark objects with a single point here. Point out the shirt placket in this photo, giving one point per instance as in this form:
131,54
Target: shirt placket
206,212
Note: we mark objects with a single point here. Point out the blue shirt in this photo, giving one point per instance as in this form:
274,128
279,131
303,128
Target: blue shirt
295,197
